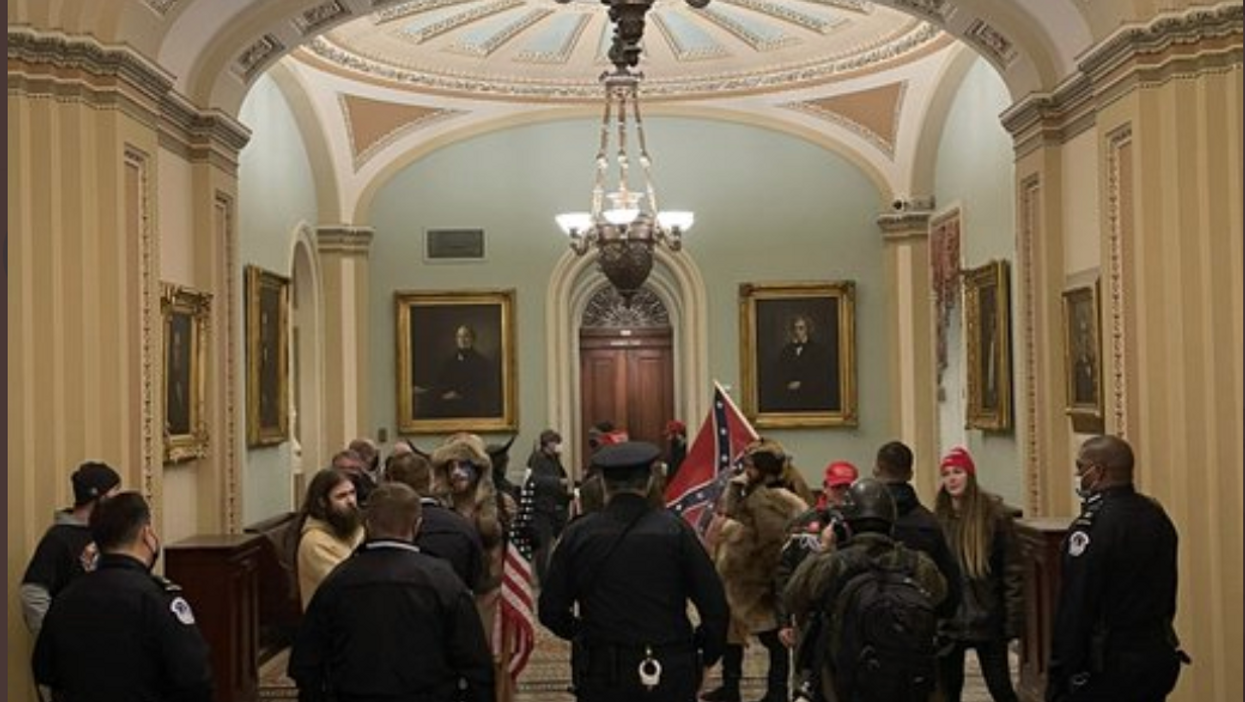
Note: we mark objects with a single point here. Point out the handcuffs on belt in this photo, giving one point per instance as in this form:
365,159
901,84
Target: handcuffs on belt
649,669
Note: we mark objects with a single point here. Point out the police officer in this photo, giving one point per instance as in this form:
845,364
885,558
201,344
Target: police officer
1113,637
119,632
631,568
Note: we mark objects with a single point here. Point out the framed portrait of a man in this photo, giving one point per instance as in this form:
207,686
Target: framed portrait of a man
1082,358
186,314
267,357
987,334
797,349
456,361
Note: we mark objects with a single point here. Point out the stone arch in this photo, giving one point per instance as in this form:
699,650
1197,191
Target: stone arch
676,281
307,447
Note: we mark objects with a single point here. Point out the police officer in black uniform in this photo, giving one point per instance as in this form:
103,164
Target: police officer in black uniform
631,568
1113,637
121,633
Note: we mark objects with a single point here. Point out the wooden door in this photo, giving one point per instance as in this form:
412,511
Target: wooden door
627,377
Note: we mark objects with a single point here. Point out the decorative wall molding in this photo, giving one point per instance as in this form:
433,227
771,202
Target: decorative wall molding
1175,45
214,137
993,43
223,211
138,224
72,61
936,11
920,37
344,239
109,77
1185,30
257,56
1030,229
311,20
1119,229
161,7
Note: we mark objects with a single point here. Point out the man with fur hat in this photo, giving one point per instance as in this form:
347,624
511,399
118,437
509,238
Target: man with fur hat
758,505
66,550
462,479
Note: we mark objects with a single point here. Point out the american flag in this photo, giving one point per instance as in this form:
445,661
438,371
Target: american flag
709,462
515,628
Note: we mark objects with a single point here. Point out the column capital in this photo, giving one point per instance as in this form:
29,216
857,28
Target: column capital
344,239
908,218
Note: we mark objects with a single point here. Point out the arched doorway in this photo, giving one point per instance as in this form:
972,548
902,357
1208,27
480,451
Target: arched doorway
626,364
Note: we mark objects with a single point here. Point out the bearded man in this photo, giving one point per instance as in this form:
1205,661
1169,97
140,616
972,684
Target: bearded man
330,527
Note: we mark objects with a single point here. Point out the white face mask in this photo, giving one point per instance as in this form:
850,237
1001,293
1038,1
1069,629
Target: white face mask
555,448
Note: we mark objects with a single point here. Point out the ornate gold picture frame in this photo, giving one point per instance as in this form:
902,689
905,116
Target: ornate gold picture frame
987,334
456,361
187,314
797,351
1082,347
267,357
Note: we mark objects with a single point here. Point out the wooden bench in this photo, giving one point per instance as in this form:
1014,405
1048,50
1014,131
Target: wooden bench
280,609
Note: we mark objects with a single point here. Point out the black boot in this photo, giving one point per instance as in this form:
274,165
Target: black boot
779,667
732,671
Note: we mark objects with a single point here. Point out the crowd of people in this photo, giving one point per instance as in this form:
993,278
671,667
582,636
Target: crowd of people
855,593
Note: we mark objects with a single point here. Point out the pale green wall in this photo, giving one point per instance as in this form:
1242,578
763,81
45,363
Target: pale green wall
975,170
769,208
276,195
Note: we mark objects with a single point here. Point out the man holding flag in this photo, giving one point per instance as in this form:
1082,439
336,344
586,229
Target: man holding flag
712,459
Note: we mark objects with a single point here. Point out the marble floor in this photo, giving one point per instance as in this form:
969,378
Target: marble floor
548,674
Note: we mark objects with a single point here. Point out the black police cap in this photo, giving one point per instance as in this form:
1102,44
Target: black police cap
626,457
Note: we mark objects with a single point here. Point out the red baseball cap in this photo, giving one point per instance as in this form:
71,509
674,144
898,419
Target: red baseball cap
840,473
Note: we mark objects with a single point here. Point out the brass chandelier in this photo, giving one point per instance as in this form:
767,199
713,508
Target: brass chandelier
625,232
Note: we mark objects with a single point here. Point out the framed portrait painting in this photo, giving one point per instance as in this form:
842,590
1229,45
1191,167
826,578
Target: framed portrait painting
987,334
456,361
797,349
186,314
1082,358
267,357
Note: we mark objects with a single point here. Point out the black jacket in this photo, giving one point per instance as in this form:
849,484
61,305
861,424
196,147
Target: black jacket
992,607
392,622
120,633
1113,636
918,528
634,594
448,535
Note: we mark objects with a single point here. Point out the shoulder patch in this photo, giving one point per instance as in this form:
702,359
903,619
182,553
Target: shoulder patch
181,609
1078,541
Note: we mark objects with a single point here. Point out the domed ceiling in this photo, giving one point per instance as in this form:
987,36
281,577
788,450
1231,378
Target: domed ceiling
539,50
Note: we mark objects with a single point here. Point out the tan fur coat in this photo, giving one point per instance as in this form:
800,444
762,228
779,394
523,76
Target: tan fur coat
748,550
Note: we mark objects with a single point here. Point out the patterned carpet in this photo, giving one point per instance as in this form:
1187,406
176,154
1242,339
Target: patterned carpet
547,676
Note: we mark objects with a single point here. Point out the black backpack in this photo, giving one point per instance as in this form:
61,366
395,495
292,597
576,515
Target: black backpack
885,650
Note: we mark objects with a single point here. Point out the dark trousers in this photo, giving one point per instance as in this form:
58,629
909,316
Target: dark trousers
1140,673
610,674
779,663
994,668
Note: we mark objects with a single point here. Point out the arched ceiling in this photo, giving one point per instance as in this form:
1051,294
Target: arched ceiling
539,50
380,82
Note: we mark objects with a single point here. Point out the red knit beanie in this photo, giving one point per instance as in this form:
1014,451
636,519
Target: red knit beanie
958,457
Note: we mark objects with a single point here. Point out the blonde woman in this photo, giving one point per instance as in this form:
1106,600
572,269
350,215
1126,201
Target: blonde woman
980,532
